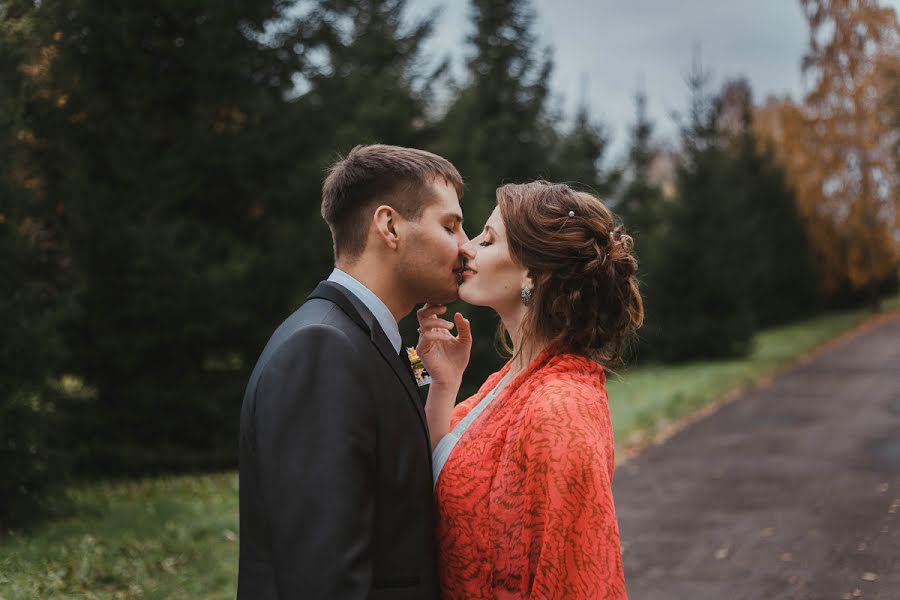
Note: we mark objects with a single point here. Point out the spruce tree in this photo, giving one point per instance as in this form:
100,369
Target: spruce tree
372,85
497,130
32,461
776,258
368,84
640,204
162,141
699,290
579,155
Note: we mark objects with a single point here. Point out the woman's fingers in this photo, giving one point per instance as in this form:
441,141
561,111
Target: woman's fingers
464,328
428,317
436,324
430,310
436,334
434,331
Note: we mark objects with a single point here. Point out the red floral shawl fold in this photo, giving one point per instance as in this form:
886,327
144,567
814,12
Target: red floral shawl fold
524,503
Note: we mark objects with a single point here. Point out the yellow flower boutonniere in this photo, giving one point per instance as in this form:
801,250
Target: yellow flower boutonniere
418,367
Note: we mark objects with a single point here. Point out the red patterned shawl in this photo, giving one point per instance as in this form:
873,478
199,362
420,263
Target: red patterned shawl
524,503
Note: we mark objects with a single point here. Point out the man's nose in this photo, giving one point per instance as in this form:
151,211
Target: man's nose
461,238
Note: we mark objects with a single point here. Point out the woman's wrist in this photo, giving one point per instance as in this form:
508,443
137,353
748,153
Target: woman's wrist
446,385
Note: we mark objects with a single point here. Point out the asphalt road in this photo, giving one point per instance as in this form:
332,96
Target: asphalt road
790,491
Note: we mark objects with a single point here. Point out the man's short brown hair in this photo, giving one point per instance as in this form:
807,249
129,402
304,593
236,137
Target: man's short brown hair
379,174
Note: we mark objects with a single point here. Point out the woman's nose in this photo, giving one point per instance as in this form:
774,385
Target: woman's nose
467,250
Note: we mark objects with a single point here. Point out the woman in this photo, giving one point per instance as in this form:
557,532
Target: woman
523,468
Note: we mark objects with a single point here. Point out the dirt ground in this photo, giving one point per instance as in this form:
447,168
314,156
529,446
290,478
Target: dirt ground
790,491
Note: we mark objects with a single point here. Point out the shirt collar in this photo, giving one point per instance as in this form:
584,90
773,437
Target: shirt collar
378,308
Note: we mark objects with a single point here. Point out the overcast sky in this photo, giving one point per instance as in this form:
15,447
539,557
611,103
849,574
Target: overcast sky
614,44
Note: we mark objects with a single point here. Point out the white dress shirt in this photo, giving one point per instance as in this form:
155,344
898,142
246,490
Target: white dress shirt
373,303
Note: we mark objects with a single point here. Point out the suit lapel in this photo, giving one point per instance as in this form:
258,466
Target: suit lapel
387,351
363,317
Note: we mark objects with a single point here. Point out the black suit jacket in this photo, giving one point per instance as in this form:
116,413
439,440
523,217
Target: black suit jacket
335,463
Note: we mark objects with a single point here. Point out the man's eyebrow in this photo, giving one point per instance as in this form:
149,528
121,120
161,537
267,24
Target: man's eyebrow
454,216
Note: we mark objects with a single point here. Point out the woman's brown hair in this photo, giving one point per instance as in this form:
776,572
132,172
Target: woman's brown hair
585,299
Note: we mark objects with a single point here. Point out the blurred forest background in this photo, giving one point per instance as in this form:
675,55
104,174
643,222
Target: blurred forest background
160,173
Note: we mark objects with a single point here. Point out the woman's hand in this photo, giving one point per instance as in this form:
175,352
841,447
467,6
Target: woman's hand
444,355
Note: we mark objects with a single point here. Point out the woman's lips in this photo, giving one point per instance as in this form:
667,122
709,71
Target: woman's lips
462,273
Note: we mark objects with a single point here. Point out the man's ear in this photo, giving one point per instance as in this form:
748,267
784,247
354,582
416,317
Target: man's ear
386,220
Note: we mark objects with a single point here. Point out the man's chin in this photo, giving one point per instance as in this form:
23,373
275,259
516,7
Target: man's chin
444,294
445,297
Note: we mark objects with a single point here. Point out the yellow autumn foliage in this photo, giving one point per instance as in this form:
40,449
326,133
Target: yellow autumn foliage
839,147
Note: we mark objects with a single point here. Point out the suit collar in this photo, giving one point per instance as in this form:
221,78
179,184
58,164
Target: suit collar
360,315
371,301
346,301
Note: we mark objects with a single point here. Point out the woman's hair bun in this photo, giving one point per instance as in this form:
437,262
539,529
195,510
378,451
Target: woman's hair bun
586,297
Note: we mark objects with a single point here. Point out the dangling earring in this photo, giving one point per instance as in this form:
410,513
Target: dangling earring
526,295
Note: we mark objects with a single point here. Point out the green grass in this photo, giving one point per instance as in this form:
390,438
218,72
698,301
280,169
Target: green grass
156,538
177,537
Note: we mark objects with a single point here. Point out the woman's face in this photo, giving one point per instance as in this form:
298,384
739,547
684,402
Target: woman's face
491,277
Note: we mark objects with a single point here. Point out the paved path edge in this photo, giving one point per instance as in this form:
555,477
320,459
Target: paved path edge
662,434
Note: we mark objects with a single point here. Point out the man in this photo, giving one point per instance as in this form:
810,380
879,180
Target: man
335,459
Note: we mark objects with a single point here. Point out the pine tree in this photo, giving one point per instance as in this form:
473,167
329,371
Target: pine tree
641,202
640,205
497,130
775,261
368,84
580,153
32,463
161,140
699,295
372,86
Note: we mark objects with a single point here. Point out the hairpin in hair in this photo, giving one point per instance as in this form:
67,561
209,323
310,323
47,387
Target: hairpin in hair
565,222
